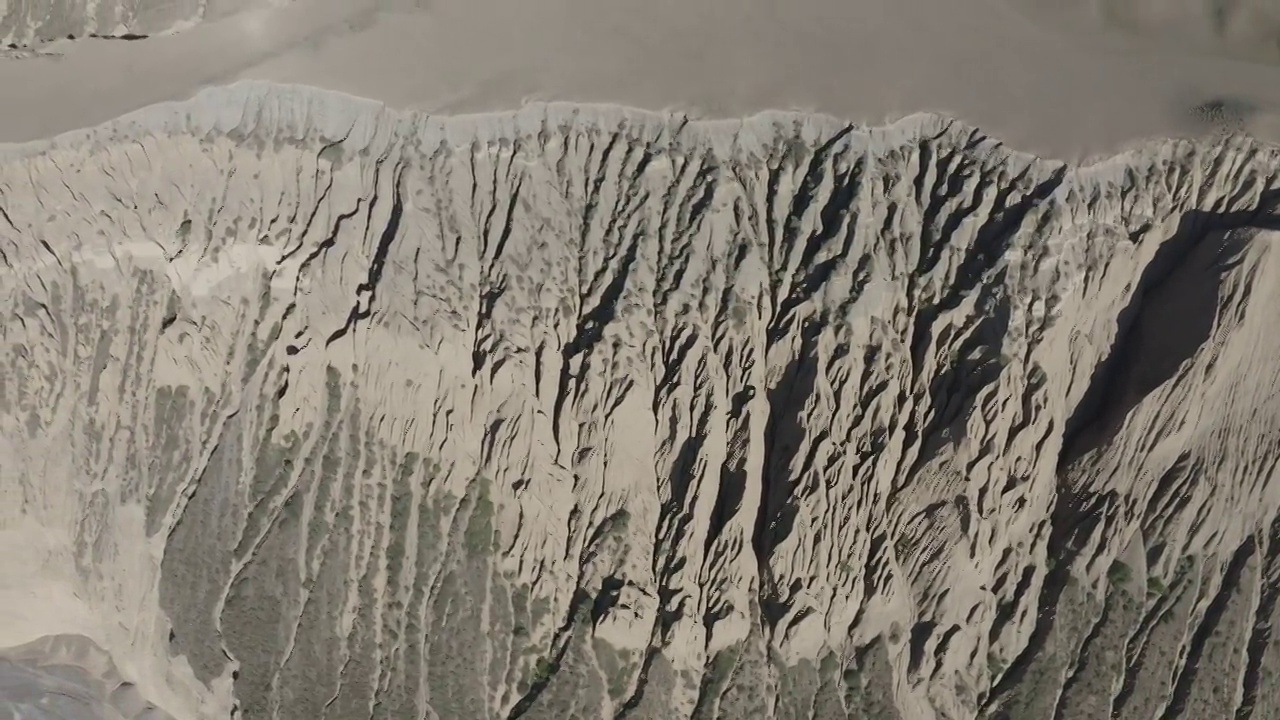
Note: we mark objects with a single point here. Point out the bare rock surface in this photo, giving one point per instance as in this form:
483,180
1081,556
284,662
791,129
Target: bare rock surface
315,409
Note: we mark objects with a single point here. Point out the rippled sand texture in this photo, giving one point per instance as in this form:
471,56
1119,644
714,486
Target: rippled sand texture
587,412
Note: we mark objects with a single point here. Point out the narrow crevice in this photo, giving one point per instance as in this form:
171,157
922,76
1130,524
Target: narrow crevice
560,644
1073,520
1260,635
1212,618
366,292
783,435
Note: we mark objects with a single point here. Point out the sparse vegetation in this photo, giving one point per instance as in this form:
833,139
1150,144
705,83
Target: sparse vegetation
543,669
852,678
479,537
613,664
996,665
1119,573
402,504
722,666
621,521
1184,567
1155,587
334,154
539,609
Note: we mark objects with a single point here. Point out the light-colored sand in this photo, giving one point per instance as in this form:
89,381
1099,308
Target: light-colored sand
1000,65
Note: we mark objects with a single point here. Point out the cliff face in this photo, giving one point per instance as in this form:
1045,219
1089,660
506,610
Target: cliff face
324,411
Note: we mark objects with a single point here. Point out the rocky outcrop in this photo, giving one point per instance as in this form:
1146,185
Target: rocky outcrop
320,410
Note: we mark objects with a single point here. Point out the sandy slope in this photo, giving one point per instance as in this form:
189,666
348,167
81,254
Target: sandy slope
1002,66
315,409
68,677
353,413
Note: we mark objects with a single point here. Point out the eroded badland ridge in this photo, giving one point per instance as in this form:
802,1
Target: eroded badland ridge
587,412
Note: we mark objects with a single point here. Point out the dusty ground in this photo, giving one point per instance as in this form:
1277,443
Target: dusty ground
1017,70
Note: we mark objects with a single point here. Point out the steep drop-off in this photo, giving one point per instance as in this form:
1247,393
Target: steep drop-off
311,409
